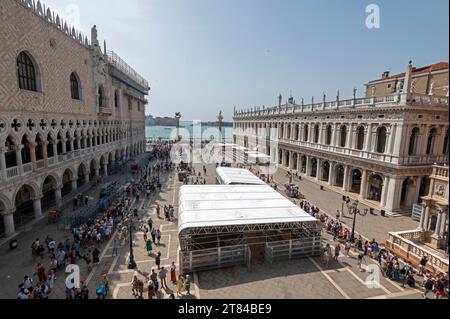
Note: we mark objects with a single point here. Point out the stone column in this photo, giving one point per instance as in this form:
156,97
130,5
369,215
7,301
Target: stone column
299,163
308,165
97,172
426,220
331,173
19,158
422,218
345,182
291,159
437,229
320,134
2,164
8,222
64,148
37,207
393,198
55,152
348,143
105,169
319,169
44,153
58,196
33,155
384,191
443,224
74,184
86,178
333,135
364,184
368,141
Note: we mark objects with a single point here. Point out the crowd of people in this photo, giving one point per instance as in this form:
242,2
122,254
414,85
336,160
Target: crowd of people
87,239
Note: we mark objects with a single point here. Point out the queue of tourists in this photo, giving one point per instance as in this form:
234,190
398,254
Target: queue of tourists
52,258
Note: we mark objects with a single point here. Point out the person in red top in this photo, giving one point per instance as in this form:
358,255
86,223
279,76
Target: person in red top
40,272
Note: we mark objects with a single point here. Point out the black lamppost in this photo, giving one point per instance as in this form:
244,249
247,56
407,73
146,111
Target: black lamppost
131,262
353,210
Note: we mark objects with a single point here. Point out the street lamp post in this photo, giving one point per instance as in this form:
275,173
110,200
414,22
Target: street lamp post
353,210
131,263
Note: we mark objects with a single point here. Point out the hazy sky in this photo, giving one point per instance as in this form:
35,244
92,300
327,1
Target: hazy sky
202,56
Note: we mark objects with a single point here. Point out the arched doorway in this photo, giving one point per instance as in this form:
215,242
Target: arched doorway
407,193
67,182
24,205
339,176
294,161
325,171
280,157
92,168
424,188
287,158
356,181
48,192
303,161
313,167
375,187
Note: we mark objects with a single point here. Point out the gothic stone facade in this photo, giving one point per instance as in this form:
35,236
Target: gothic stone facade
379,148
68,111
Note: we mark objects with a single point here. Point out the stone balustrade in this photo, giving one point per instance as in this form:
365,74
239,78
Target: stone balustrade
403,244
398,99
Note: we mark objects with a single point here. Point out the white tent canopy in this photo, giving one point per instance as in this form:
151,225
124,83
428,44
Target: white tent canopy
233,176
233,205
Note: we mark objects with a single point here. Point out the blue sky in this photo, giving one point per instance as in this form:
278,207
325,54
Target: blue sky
202,56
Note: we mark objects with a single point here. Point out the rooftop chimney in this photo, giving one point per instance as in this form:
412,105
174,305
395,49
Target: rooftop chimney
385,75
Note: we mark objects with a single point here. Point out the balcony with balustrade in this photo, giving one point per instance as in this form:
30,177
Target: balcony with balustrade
403,100
408,245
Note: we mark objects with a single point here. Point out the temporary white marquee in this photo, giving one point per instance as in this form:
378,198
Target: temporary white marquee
237,176
219,224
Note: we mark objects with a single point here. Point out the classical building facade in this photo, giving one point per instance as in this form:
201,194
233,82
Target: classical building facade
379,148
68,110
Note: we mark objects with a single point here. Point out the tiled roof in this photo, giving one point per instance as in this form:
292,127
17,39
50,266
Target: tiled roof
429,68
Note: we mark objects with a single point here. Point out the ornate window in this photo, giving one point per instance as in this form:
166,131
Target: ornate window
413,141
360,138
316,134
101,96
306,133
26,71
431,141
74,87
329,135
343,140
381,139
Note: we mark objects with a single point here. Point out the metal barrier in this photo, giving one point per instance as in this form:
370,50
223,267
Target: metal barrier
292,249
213,258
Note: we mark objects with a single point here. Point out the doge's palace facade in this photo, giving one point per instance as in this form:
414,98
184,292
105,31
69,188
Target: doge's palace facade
69,110
380,148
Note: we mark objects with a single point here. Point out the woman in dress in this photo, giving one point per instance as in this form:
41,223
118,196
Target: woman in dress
149,247
180,284
173,275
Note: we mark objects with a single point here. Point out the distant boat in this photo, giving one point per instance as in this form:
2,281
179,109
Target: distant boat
168,128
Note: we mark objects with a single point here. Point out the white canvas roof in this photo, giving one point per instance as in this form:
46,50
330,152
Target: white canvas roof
231,176
230,205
